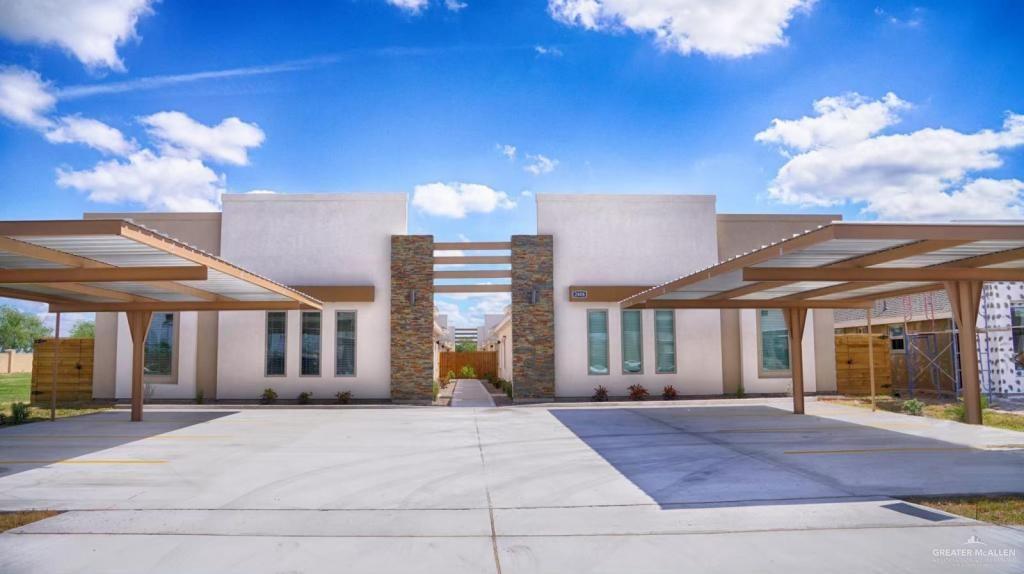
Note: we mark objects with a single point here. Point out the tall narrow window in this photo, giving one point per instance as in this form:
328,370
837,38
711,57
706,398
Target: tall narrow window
897,340
632,342
310,343
1017,332
158,358
665,340
597,342
277,325
345,344
773,340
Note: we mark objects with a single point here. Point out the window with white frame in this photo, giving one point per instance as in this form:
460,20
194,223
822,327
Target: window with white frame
1017,330
158,350
277,337
897,339
597,342
311,339
772,342
632,342
345,344
665,340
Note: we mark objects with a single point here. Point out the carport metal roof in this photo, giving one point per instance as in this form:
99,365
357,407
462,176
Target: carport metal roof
848,265
117,265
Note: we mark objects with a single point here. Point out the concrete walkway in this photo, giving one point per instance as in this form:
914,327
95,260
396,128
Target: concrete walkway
471,393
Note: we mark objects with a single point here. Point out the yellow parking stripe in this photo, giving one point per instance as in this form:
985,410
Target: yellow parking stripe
874,450
116,436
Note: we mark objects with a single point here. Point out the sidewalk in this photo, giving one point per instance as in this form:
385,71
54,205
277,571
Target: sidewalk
471,393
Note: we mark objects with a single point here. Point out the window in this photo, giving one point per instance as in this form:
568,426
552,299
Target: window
158,360
665,341
597,342
277,325
504,347
310,343
773,340
632,342
1017,332
897,341
345,344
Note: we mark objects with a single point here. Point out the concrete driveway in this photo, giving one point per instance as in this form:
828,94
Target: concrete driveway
733,486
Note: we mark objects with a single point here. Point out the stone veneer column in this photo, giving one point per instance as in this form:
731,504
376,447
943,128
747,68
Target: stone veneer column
412,322
533,321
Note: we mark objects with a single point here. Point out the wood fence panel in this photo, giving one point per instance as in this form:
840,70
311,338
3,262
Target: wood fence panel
484,363
74,371
852,371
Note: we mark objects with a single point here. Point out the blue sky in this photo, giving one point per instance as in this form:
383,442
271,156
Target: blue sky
421,96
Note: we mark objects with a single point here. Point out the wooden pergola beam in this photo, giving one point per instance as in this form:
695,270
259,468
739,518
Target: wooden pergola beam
94,291
472,260
234,305
103,274
747,304
477,274
885,274
31,295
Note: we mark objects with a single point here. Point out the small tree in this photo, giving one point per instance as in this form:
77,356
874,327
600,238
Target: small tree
84,330
20,329
465,347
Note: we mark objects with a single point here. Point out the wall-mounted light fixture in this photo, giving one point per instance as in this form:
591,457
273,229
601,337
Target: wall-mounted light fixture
412,296
534,296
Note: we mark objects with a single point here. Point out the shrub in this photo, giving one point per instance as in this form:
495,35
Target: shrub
913,407
199,396
637,393
508,390
467,372
343,398
19,413
959,412
669,393
600,394
436,389
304,397
450,375
740,391
269,396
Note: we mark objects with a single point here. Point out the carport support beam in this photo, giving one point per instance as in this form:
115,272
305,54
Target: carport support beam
965,299
138,326
796,318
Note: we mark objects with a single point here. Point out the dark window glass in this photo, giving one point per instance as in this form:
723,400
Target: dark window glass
277,324
159,347
311,343
345,344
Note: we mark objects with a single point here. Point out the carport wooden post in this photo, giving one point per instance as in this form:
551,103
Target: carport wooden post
795,319
56,364
965,299
138,325
871,359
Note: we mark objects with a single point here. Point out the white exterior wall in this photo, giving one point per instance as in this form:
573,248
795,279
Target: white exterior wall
752,381
503,334
631,240
184,387
322,239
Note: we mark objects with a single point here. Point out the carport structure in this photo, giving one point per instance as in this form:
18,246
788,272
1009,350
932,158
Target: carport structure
114,265
850,265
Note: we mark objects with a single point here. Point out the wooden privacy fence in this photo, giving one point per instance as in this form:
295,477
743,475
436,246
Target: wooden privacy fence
74,371
852,372
484,363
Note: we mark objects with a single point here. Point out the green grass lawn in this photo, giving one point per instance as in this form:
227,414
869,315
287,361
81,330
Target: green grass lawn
17,388
938,410
994,509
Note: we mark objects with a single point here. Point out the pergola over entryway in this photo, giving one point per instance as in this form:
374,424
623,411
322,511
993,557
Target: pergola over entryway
112,265
850,265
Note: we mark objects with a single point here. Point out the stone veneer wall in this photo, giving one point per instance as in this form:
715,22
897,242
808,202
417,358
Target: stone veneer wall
412,324
533,325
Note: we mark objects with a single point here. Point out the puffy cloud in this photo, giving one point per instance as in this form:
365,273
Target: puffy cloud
180,135
157,182
468,309
713,27
93,133
24,97
91,30
927,174
507,150
540,164
456,200
841,120
455,5
548,51
409,5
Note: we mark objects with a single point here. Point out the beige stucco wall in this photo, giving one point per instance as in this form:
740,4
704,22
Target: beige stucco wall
737,234
197,332
15,362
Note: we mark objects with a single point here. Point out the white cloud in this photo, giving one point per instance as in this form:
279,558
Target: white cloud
840,121
455,5
928,174
541,164
914,20
227,142
93,133
91,30
507,150
456,200
261,192
526,193
468,309
413,6
548,51
24,97
164,183
714,27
